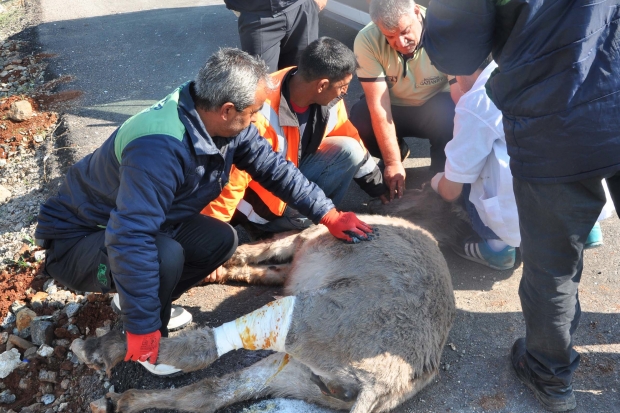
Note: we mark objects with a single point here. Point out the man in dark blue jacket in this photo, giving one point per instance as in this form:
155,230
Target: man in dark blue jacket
558,87
277,31
127,217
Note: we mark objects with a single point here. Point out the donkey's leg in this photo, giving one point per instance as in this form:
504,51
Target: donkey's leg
281,248
257,274
262,329
192,350
278,375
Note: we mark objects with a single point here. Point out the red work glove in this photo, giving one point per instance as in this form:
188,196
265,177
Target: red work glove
142,347
339,223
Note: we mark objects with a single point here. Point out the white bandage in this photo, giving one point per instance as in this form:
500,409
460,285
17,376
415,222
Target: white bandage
263,329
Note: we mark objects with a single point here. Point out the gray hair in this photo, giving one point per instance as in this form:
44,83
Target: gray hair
230,75
389,12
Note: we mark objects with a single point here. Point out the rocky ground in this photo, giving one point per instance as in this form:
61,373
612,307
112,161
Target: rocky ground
38,319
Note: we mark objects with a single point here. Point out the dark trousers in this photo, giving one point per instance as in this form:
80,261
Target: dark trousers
200,246
434,121
280,40
555,220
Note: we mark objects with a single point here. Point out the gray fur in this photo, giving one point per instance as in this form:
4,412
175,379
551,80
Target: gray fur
368,328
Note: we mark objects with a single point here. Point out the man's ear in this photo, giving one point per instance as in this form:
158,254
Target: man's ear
322,85
227,111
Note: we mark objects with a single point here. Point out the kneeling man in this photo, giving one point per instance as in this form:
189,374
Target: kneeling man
305,120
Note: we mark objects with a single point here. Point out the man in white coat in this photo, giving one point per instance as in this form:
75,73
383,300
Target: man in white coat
478,172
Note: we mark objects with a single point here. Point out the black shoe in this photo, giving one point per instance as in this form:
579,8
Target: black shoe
404,149
551,400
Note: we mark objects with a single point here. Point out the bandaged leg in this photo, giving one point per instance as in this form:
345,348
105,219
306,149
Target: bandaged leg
263,329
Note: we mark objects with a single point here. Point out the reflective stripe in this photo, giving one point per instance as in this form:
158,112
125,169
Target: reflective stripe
272,118
332,120
367,167
246,209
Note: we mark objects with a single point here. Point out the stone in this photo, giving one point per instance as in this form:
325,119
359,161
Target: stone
73,329
42,332
37,300
63,406
5,194
65,384
9,361
30,352
6,397
24,383
24,317
48,399
50,286
71,309
20,342
99,405
4,337
20,110
39,255
25,333
48,376
17,305
45,351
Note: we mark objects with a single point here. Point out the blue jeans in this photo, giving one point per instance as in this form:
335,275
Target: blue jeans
332,167
482,230
555,220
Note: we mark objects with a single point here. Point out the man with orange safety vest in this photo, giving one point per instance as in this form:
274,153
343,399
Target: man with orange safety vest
305,120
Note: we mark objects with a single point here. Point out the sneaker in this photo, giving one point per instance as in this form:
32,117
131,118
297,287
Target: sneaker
179,317
595,237
551,400
481,253
404,149
160,369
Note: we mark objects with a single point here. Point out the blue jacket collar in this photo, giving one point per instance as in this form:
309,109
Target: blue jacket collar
201,140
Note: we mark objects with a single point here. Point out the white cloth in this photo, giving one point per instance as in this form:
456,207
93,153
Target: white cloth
477,155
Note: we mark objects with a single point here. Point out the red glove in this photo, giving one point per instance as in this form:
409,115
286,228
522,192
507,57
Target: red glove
339,222
142,347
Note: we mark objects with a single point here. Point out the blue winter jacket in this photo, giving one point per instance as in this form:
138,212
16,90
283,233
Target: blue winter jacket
158,169
558,80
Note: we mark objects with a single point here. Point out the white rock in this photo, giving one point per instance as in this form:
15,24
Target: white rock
20,111
5,194
9,360
48,399
45,350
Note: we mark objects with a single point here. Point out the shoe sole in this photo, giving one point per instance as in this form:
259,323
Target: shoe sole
593,245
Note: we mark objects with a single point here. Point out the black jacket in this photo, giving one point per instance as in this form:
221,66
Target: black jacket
267,7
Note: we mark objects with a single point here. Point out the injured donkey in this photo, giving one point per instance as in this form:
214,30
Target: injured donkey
362,327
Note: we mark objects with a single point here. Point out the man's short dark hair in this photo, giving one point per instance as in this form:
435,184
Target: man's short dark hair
326,58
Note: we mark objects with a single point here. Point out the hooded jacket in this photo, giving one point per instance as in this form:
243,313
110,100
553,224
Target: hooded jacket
155,171
558,80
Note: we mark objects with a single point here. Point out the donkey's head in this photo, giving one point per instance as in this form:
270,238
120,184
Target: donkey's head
447,221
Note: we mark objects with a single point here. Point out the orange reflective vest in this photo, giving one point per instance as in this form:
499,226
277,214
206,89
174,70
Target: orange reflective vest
284,138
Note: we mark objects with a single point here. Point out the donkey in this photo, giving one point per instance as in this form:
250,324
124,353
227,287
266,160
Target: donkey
362,327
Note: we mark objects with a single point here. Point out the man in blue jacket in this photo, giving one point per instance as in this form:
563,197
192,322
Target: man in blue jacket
127,217
557,85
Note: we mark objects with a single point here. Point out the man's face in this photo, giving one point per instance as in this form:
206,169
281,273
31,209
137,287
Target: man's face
334,90
406,36
240,120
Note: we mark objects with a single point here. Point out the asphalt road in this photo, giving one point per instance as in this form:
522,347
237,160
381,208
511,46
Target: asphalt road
123,56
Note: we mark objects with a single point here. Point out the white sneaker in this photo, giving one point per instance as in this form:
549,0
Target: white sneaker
179,317
160,369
